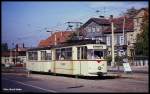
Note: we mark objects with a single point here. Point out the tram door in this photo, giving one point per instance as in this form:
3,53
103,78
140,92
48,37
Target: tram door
82,57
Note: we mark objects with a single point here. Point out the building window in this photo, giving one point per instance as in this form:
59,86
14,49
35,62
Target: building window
89,29
115,40
64,54
108,40
93,29
121,41
32,56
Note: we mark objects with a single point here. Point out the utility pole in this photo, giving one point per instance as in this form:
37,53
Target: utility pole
112,28
123,31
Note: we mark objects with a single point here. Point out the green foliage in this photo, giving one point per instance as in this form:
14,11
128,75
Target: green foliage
4,47
118,59
109,59
142,45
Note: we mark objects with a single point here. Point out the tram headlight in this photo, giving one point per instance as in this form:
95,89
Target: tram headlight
99,68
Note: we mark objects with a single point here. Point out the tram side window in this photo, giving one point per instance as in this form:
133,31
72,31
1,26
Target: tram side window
58,53
45,55
82,52
78,53
49,56
32,55
64,54
68,53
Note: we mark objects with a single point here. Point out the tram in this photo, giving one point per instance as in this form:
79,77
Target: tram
84,58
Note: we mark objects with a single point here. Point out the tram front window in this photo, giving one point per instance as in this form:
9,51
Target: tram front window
94,54
98,54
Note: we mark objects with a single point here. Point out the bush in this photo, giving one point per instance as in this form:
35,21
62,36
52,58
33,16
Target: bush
109,59
118,59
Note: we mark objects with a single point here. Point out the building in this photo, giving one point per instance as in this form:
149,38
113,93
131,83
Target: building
14,56
55,38
100,28
138,22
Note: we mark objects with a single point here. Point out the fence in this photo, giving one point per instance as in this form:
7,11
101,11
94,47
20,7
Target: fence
140,62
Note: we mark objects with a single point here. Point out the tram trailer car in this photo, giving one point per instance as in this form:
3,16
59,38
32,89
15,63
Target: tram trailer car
81,60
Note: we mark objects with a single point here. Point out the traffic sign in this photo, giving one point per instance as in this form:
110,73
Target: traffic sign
127,67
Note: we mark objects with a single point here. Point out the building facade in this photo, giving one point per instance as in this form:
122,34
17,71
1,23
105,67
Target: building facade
100,28
14,56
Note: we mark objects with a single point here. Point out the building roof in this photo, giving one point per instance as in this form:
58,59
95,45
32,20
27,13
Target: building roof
59,36
9,53
67,43
78,42
145,9
40,48
99,21
118,25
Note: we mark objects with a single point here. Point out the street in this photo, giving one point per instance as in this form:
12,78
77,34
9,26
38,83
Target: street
18,82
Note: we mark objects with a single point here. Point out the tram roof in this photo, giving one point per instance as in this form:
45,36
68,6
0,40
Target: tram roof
77,42
68,43
39,48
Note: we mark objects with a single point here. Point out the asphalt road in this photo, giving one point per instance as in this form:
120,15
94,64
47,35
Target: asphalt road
13,82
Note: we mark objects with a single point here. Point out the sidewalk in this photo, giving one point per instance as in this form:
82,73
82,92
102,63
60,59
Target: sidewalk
135,69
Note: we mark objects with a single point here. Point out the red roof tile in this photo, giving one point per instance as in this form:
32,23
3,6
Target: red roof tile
8,53
118,24
60,37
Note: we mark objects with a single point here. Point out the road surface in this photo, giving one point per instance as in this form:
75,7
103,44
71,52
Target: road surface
15,82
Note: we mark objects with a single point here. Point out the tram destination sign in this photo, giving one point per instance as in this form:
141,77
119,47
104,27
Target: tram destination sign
96,47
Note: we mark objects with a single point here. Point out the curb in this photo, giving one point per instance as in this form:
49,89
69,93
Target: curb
145,72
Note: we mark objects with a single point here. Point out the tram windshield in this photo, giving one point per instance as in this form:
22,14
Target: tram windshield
95,54
90,54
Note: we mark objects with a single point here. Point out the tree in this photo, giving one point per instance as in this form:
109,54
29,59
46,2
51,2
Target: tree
4,47
130,12
142,44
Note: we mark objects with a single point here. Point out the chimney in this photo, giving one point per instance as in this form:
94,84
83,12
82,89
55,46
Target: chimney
23,45
17,46
111,17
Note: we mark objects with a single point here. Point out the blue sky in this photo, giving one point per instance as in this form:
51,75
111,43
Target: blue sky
27,22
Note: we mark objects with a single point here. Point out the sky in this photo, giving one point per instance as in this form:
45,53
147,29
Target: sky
27,22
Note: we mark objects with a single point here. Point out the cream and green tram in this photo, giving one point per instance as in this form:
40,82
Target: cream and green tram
82,59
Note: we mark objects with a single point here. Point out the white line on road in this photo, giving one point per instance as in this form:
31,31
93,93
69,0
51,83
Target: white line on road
31,85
